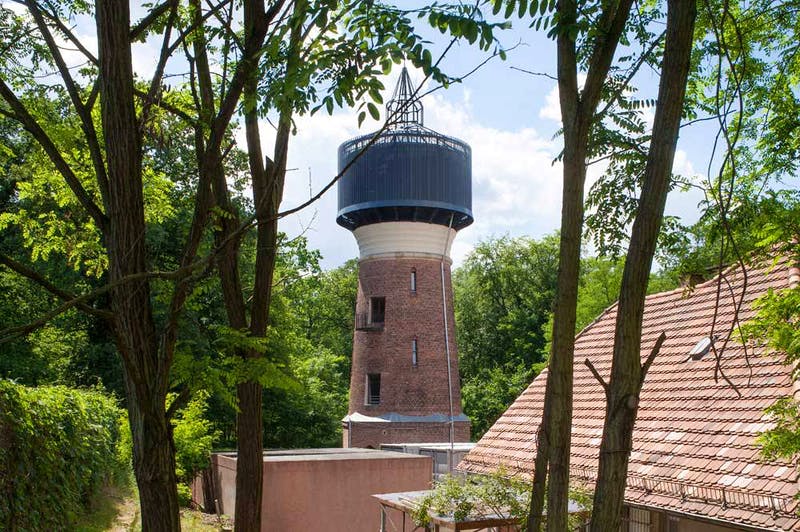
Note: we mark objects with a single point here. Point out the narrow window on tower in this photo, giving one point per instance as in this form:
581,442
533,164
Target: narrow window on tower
373,389
413,279
414,352
377,309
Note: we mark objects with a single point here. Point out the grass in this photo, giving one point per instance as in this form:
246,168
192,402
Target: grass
117,510
114,509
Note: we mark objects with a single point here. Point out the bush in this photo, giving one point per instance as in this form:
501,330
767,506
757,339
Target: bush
497,494
193,435
58,447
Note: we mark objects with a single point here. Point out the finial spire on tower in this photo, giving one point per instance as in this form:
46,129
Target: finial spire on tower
404,109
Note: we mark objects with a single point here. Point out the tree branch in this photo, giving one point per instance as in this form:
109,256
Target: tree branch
532,73
32,126
87,124
150,18
39,279
68,33
158,102
596,374
651,357
11,333
610,27
178,402
155,83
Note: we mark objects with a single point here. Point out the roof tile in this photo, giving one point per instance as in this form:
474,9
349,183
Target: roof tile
694,448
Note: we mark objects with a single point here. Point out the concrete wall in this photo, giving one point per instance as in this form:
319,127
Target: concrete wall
325,489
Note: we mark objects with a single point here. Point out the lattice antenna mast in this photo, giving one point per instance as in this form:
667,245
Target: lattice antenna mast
404,109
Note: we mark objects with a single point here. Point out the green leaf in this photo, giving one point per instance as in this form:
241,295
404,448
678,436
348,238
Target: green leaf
373,111
471,31
496,5
509,8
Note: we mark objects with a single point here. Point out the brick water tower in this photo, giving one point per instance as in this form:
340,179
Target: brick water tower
404,199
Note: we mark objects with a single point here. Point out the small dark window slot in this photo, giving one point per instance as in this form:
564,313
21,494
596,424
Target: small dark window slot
414,353
373,388
414,280
377,309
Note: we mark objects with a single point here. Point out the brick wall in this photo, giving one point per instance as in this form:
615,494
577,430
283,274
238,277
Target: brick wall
406,389
374,434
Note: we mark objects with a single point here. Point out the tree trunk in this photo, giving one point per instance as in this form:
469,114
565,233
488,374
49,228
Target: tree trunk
577,115
627,372
153,462
267,180
146,378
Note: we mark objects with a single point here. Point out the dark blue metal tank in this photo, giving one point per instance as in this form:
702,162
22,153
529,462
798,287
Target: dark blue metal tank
408,173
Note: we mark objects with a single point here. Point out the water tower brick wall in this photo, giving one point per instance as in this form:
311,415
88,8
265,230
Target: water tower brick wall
405,389
374,434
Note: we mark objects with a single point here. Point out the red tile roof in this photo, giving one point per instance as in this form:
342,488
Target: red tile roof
694,448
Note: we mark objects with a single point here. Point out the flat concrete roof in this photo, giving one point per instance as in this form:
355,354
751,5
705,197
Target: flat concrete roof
306,455
445,446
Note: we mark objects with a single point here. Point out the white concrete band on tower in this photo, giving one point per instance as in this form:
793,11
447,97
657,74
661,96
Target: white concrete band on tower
403,239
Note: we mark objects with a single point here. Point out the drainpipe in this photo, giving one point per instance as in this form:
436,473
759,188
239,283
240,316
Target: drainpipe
447,347
349,432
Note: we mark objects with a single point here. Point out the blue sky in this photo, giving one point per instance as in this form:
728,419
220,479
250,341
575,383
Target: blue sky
507,116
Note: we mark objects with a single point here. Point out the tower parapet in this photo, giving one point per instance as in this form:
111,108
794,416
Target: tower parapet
410,173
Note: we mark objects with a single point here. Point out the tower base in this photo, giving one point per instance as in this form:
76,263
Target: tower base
370,435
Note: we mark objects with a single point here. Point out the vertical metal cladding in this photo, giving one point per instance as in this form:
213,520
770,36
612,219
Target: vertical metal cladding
413,174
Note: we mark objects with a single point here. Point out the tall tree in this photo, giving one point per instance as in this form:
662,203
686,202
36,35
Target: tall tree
627,370
578,108
321,45
294,46
110,192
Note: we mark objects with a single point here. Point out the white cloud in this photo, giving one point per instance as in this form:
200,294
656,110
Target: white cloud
516,188
552,108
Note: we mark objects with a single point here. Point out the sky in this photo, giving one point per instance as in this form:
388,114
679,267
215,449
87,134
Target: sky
508,117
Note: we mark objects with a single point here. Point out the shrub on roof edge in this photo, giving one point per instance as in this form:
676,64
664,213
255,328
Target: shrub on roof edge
58,447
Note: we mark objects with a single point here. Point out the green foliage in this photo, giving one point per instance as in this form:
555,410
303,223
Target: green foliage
356,41
60,446
193,435
325,305
503,298
503,294
497,494
776,325
599,285
305,368
308,415
488,395
184,495
783,440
